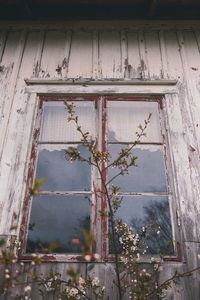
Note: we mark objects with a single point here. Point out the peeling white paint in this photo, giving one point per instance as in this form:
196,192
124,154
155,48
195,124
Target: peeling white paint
105,51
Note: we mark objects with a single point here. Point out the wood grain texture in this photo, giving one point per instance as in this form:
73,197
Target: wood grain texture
80,62
109,55
114,53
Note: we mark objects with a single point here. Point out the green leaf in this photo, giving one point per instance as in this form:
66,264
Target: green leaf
36,187
2,242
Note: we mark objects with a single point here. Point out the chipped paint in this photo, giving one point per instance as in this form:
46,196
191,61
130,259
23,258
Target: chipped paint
109,53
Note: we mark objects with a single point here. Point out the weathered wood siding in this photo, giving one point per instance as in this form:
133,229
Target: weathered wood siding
98,51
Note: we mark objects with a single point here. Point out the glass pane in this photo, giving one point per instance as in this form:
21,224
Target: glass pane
124,117
59,220
153,213
148,176
55,125
60,174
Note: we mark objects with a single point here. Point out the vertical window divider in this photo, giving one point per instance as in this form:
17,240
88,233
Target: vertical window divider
104,217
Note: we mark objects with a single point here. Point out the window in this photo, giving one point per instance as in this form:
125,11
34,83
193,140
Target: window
67,203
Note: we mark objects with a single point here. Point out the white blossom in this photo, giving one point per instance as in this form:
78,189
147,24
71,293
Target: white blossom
81,281
96,256
73,292
87,257
27,288
95,281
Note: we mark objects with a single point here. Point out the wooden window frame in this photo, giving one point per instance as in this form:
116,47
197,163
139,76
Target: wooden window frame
48,92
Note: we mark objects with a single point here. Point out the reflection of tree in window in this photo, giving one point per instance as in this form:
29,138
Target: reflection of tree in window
159,231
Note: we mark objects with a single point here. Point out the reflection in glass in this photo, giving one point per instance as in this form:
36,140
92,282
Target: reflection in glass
124,117
57,219
148,176
153,213
60,174
55,126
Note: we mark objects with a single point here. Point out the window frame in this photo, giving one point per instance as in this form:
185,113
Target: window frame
104,240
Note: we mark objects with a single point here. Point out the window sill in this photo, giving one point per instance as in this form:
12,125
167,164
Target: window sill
109,259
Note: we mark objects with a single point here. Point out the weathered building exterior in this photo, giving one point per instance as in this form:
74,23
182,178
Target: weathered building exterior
105,58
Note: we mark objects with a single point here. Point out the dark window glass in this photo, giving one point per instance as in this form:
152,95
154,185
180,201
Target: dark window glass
56,221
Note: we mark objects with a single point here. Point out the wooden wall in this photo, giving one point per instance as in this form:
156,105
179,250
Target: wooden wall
105,51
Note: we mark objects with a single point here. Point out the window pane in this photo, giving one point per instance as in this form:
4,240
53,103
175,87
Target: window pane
153,213
55,125
124,117
57,219
148,176
60,174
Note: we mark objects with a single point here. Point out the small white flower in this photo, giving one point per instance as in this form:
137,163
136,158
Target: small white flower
133,248
144,270
95,281
73,292
48,285
87,257
27,288
81,281
96,256
121,240
138,256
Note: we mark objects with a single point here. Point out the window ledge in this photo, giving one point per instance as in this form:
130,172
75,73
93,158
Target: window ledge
35,81
101,87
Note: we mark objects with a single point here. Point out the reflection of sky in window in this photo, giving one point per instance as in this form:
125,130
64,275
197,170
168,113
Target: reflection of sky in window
58,219
148,176
133,207
55,126
124,118
60,174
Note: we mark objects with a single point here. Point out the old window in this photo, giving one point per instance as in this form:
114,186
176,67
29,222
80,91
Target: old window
67,202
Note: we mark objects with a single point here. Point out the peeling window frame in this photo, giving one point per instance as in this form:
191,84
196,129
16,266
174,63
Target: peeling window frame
104,240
